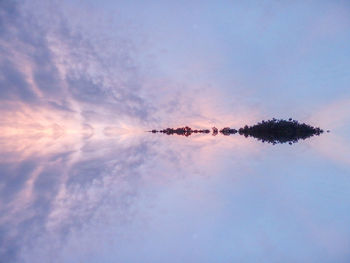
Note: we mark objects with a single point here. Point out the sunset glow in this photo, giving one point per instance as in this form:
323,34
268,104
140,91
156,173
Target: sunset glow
174,131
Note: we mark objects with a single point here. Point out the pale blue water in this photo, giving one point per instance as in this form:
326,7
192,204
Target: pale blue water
161,198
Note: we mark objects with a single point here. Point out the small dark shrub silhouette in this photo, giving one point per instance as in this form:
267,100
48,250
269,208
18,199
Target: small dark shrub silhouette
184,131
215,131
228,131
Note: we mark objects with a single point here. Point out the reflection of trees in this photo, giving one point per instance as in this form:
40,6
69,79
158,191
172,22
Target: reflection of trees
271,131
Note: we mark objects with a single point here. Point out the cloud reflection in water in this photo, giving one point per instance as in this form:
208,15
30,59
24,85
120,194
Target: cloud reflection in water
55,185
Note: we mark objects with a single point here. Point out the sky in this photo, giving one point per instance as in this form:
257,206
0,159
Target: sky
81,82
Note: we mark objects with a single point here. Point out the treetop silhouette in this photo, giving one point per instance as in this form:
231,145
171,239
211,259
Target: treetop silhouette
272,131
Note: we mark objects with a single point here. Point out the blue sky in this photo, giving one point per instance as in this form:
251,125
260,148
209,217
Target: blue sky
120,56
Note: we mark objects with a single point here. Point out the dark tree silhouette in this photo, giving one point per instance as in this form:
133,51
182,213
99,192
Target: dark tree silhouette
228,131
184,131
215,131
280,131
272,131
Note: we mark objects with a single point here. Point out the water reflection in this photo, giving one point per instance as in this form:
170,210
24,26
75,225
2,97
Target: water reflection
61,188
74,191
59,178
51,194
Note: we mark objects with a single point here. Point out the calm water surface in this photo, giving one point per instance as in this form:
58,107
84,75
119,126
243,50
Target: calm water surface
150,198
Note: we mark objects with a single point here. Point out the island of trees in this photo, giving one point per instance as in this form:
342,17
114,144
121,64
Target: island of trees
272,131
280,131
